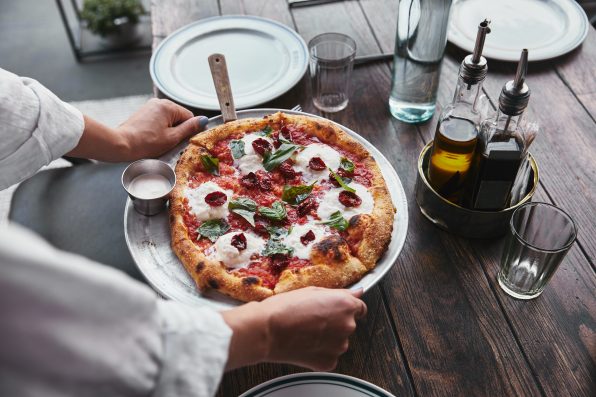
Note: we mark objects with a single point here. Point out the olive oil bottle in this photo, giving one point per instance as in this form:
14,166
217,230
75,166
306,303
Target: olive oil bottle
457,130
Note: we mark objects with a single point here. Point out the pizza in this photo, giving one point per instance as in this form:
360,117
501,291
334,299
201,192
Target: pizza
266,205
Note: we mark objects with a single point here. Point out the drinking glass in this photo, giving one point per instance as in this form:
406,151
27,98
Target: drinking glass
331,63
540,236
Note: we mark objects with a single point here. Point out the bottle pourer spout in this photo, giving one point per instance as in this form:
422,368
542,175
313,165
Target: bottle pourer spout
522,69
483,30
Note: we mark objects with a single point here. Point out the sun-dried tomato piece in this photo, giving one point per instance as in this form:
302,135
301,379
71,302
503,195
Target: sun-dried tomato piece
307,237
287,170
261,146
265,182
239,241
216,199
349,199
249,180
279,263
285,132
317,164
342,174
305,207
261,228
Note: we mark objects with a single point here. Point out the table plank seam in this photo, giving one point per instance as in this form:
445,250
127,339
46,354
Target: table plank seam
400,347
579,242
372,30
509,323
566,83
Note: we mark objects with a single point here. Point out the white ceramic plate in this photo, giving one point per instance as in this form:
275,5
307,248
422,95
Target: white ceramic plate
148,238
316,384
547,28
264,58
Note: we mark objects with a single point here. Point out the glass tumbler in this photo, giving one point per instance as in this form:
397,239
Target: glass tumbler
331,63
540,236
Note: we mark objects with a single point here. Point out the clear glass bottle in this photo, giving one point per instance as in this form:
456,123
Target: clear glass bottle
457,129
419,47
502,146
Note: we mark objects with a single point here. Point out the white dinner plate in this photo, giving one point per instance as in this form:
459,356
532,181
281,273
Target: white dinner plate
316,384
148,237
264,58
547,28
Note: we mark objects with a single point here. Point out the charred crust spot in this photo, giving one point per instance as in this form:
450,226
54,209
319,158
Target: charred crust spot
250,280
354,221
200,266
172,217
330,247
213,283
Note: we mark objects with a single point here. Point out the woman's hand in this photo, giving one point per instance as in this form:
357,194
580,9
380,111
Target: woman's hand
308,327
155,128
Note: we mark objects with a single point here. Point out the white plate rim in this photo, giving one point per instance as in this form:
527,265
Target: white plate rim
514,54
287,380
397,192
249,104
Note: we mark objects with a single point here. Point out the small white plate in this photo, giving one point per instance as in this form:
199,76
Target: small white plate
148,237
547,28
264,58
316,384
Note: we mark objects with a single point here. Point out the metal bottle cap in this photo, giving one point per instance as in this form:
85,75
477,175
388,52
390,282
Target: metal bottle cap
515,94
474,67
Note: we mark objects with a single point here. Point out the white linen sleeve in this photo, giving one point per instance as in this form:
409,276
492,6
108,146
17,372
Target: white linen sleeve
72,327
35,127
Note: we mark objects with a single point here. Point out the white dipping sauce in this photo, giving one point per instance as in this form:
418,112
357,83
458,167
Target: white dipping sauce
149,186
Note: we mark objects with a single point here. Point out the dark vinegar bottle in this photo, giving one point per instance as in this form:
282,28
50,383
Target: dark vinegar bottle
501,147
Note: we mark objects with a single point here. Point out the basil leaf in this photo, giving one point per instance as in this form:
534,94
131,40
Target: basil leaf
244,207
267,131
283,139
243,203
211,164
237,148
274,247
277,212
337,221
341,181
214,228
296,194
277,232
248,215
273,160
346,164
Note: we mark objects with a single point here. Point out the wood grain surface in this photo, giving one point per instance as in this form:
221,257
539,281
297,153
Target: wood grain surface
438,324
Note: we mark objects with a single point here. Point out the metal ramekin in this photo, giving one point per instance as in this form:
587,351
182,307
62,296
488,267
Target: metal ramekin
152,206
459,220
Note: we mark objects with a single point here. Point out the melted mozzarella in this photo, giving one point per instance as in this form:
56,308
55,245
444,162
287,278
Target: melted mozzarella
330,157
251,161
293,239
202,210
330,203
224,251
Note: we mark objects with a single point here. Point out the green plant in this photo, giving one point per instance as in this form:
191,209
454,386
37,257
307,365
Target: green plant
100,14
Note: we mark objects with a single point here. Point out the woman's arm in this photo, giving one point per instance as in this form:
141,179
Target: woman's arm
155,128
36,127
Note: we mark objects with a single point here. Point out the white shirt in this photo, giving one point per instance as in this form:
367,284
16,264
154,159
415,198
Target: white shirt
72,327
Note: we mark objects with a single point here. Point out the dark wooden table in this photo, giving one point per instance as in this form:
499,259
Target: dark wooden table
438,324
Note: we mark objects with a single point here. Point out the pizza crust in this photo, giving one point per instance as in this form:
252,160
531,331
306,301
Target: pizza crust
335,263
